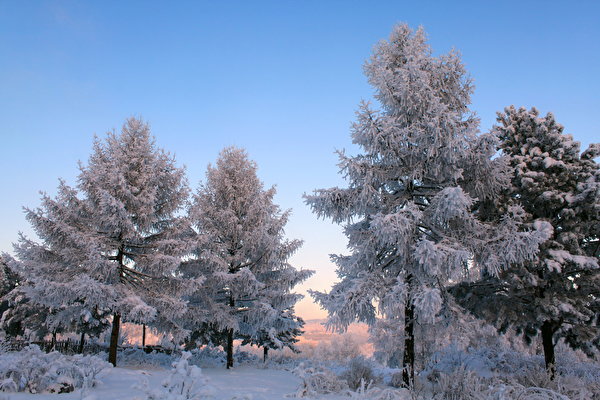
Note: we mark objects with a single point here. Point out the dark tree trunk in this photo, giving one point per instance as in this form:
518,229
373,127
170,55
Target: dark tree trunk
229,348
408,361
548,330
230,337
81,343
53,341
265,353
144,337
114,340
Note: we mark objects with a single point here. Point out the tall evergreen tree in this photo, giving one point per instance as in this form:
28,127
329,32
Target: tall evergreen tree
112,243
241,251
411,209
558,293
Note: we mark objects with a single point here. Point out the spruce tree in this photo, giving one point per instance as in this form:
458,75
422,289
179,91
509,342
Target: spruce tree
557,294
112,243
241,250
411,208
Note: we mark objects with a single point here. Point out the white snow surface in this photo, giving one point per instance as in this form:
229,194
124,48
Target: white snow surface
244,382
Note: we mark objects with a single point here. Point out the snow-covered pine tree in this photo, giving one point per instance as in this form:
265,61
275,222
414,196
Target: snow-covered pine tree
411,209
113,243
241,250
558,293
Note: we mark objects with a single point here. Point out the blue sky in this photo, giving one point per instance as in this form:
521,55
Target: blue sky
282,79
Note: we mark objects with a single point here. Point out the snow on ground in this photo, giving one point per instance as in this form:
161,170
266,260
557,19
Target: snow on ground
244,382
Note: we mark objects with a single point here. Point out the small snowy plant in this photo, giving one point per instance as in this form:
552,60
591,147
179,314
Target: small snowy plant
185,382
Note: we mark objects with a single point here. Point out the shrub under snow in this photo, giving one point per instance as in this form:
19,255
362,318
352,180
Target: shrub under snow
32,370
495,373
185,382
318,380
359,373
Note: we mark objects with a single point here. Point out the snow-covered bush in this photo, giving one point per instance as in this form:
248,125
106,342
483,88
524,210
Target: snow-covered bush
34,371
366,392
318,380
461,383
185,382
396,380
243,357
359,373
137,357
208,356
571,386
501,373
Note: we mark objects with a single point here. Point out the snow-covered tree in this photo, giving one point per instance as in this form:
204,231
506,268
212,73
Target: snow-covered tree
241,250
282,332
558,293
112,243
411,207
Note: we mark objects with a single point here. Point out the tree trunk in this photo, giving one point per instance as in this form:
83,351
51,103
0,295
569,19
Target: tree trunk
230,348
144,337
408,361
265,353
53,341
548,343
81,343
114,340
230,337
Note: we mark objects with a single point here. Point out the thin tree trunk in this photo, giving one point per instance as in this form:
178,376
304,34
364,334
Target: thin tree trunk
230,348
114,340
144,337
53,341
548,343
408,361
81,343
230,337
265,353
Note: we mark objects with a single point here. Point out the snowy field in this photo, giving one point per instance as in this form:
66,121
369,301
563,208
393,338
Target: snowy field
243,382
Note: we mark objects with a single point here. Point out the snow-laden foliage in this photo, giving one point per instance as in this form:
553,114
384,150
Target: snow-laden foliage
31,370
535,385
8,281
19,317
366,392
241,250
317,381
412,205
112,244
359,373
557,292
185,382
493,372
138,358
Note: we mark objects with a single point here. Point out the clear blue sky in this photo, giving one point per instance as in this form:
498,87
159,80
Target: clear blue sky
280,78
